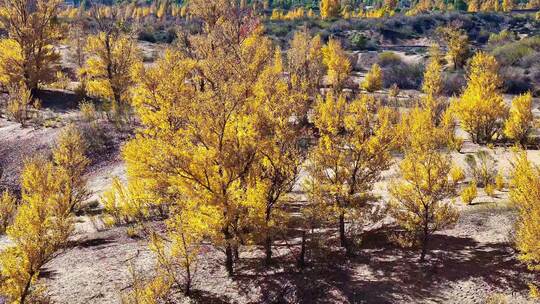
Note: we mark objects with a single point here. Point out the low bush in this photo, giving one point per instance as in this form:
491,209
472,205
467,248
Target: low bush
405,76
510,54
453,83
388,59
20,99
96,137
490,190
514,82
469,193
482,166
360,42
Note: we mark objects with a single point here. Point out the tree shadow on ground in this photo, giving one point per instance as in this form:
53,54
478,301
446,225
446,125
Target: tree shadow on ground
48,274
207,298
382,272
59,100
95,242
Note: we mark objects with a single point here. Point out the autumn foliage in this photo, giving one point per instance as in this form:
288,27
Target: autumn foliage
481,108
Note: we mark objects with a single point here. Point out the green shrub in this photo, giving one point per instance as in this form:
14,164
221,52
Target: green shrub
510,54
389,59
359,41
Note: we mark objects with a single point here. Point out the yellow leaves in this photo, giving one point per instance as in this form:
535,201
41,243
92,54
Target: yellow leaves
148,291
499,182
50,192
469,193
8,206
417,131
373,80
107,69
481,108
457,174
330,8
125,204
507,5
292,14
257,52
305,63
457,43
354,148
490,190
32,39
432,85
330,112
210,127
520,120
69,152
428,178
419,195
39,229
11,62
338,64
161,105
525,194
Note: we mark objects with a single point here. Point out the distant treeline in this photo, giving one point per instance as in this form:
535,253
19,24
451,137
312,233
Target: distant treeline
308,4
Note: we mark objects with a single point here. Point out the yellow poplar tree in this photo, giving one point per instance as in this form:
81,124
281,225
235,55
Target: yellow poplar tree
337,63
32,33
520,120
178,251
473,5
330,8
305,63
457,42
481,108
200,139
354,148
69,157
507,5
418,197
373,80
111,55
525,194
39,230
432,86
280,156
43,223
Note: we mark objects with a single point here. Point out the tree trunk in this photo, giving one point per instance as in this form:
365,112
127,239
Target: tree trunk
342,236
26,289
229,258
236,252
268,240
187,290
425,237
302,258
268,249
424,250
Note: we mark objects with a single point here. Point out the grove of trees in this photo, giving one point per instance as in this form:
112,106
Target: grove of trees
226,126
